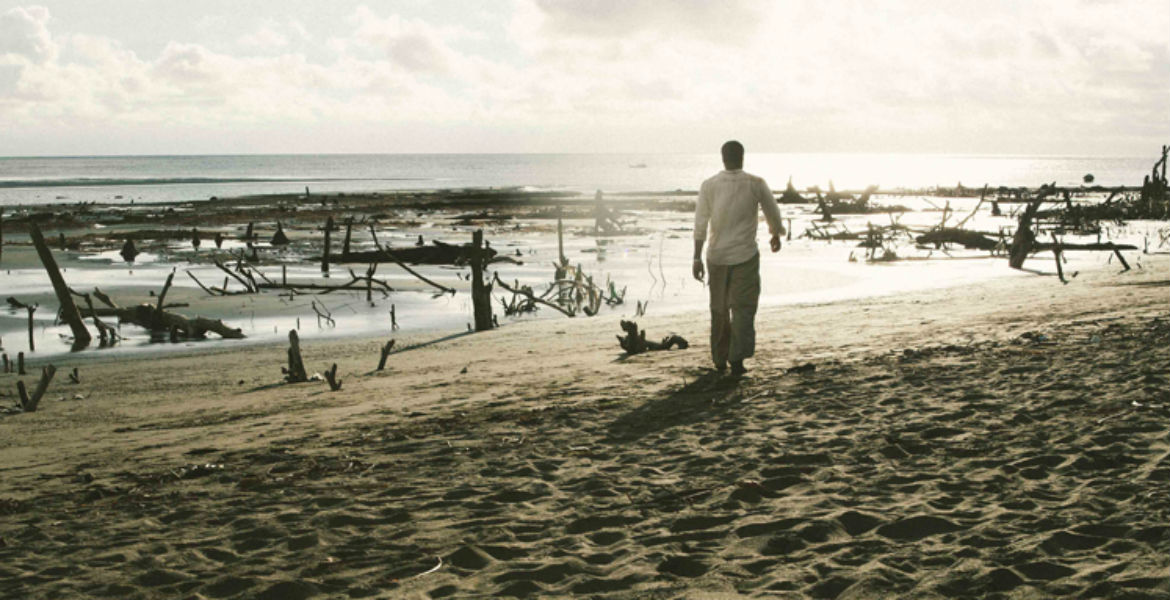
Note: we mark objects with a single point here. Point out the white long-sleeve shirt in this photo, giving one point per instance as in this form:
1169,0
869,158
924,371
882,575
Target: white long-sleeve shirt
728,202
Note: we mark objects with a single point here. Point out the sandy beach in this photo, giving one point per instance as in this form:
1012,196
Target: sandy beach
1006,439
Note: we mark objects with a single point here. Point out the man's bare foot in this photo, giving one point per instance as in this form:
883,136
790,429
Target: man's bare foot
737,367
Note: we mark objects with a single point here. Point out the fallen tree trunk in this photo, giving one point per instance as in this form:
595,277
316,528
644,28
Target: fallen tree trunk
438,253
69,312
966,238
150,317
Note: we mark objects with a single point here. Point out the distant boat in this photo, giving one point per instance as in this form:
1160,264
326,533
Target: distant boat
638,166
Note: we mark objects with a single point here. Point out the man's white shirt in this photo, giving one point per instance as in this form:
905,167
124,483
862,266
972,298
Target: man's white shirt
728,202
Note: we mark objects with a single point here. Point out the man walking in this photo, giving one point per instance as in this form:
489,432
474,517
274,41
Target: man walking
728,202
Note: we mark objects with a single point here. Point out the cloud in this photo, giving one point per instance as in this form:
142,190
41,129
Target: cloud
726,21
24,32
267,37
412,44
603,75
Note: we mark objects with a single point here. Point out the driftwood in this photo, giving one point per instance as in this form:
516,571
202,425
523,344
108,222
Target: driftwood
295,372
635,342
964,237
325,251
790,195
154,319
481,291
385,253
28,402
106,335
279,238
129,251
331,378
438,253
69,312
31,308
386,348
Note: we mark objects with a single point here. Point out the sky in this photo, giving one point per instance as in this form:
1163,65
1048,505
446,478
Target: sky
1019,77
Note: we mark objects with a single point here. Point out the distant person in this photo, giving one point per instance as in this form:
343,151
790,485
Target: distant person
728,204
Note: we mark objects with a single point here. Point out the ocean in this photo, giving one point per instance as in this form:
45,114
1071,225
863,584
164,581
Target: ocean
123,179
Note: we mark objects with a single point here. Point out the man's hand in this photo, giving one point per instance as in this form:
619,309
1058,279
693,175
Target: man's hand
775,241
697,270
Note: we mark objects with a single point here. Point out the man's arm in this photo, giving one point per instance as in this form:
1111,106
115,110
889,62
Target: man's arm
771,215
697,265
702,217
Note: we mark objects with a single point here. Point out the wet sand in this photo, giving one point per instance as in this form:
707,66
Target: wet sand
1007,439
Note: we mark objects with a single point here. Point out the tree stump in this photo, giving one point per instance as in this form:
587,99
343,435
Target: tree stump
386,348
295,372
635,342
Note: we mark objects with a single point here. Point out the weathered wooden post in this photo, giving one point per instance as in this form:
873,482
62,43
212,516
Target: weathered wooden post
295,373
1024,237
32,345
481,292
561,238
386,348
69,312
325,254
331,377
29,403
345,244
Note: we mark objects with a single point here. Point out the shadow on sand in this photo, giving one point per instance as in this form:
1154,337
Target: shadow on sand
708,396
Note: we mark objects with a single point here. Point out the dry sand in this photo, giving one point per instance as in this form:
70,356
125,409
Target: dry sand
1004,440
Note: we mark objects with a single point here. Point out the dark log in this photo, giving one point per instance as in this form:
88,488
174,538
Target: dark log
331,377
295,372
151,318
386,348
790,195
963,237
325,252
1103,246
20,363
386,253
348,231
28,402
1024,238
481,291
69,312
437,253
1056,254
279,238
31,308
635,342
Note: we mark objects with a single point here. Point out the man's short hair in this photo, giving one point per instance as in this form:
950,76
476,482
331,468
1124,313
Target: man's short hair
732,154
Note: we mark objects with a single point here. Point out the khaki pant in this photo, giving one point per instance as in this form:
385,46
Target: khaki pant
735,294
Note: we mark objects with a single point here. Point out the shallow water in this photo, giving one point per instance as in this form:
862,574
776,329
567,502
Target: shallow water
125,179
654,267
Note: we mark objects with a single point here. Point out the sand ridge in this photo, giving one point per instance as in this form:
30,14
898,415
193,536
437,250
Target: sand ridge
942,445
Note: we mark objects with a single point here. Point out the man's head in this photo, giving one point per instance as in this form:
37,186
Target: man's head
732,155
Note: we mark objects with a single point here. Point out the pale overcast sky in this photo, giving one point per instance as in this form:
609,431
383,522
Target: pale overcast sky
962,76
